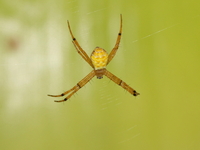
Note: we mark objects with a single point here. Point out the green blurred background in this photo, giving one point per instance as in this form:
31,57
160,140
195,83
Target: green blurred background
159,56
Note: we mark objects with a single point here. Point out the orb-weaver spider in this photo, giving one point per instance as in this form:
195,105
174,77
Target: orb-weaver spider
98,60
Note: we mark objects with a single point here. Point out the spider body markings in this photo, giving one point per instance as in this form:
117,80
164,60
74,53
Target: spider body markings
98,60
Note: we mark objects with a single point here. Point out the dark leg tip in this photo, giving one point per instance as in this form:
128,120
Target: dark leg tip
61,100
135,93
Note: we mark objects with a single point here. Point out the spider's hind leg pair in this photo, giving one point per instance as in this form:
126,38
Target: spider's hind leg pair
98,60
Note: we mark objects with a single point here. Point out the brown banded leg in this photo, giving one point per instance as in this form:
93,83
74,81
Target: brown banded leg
120,83
73,90
83,56
114,50
79,48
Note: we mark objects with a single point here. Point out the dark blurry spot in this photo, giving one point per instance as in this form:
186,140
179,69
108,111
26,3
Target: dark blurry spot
13,43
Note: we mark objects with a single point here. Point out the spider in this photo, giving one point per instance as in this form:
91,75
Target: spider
98,60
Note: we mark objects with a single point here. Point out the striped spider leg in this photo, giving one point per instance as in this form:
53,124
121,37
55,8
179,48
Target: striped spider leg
73,90
98,60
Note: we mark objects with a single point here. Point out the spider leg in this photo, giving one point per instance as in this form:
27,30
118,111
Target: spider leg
73,90
79,49
114,50
121,83
83,56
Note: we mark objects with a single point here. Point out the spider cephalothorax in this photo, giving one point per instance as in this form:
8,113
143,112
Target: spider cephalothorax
98,60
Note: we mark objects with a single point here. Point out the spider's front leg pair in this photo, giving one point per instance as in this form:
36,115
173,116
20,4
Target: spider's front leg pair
85,80
121,83
73,90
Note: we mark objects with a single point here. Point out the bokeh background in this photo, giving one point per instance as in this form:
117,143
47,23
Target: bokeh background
159,56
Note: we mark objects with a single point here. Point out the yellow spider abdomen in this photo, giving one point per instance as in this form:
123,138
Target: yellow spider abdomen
99,58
